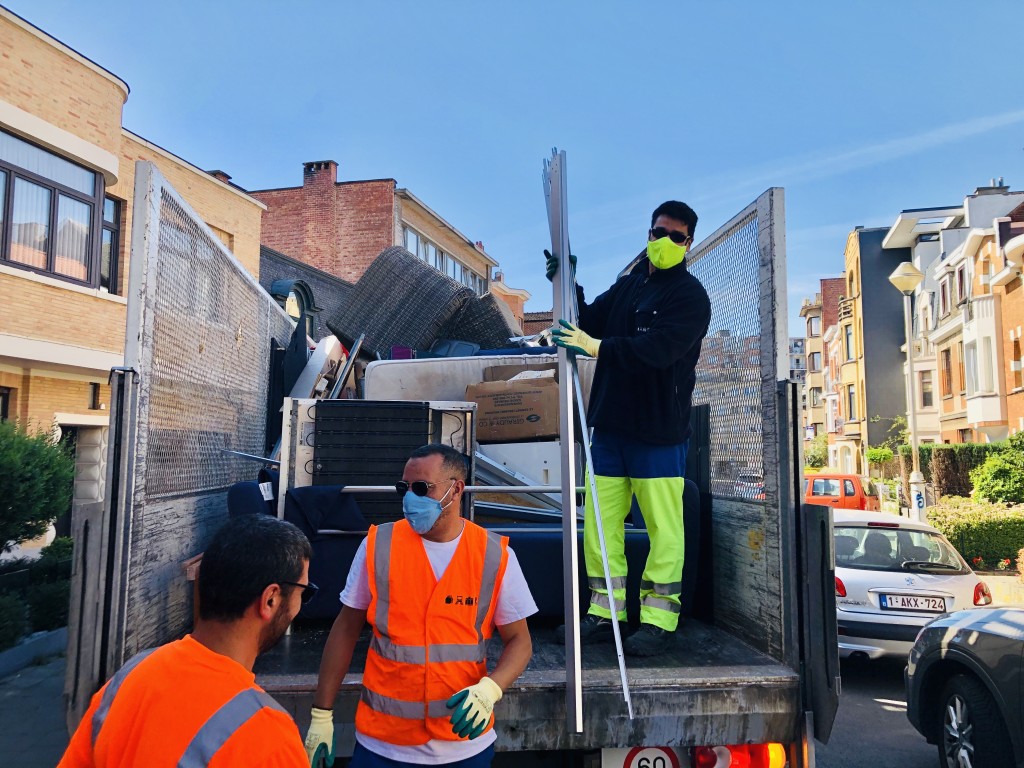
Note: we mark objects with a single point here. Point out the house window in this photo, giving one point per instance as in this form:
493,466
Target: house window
1015,364
814,325
944,298
964,436
48,212
814,361
423,249
815,397
5,403
961,284
851,403
94,396
927,396
946,364
849,342
110,245
971,368
960,366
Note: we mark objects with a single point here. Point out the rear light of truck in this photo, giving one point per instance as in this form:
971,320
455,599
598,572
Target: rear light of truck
840,588
740,756
982,595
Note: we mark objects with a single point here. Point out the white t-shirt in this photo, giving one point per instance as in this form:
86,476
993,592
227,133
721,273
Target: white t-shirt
514,603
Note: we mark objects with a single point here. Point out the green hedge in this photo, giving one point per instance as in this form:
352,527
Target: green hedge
13,620
48,605
978,529
949,466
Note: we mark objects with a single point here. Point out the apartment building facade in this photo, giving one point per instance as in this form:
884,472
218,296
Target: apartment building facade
1004,270
819,313
870,335
67,168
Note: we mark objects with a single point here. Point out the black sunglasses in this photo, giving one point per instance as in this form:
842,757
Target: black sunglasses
419,487
674,235
308,590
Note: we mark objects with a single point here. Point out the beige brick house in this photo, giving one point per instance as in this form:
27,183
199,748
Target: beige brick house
67,168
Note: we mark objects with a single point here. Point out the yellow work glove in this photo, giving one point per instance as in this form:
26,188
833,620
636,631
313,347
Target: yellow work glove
473,707
320,736
567,335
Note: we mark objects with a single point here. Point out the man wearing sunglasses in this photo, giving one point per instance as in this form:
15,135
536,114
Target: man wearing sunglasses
646,333
433,587
195,701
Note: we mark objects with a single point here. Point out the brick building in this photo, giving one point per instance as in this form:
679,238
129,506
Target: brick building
67,168
1005,278
341,226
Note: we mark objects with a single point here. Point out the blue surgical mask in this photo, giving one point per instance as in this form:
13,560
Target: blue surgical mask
422,511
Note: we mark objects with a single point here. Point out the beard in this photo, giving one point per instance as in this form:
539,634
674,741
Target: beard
275,630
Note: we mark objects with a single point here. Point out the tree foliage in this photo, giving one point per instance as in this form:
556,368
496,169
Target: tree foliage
36,475
992,532
880,454
816,454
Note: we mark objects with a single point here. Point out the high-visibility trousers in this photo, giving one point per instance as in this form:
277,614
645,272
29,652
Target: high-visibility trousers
624,468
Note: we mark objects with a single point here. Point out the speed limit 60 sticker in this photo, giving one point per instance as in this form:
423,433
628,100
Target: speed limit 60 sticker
640,757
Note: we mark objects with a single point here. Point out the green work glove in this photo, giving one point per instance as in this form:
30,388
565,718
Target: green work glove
473,707
567,335
552,264
320,737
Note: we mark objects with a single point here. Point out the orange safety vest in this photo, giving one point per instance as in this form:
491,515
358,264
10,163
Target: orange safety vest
184,705
429,636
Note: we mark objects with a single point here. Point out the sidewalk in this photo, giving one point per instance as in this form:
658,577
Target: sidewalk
35,733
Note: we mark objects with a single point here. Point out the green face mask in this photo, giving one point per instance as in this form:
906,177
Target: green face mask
664,254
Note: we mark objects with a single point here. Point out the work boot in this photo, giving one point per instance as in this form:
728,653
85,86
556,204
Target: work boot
593,630
649,640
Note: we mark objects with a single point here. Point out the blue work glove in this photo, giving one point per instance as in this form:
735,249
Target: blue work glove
551,262
473,707
567,335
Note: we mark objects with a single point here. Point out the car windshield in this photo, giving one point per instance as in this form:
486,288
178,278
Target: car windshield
895,549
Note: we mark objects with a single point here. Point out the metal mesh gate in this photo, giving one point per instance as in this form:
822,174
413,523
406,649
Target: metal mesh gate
742,267
198,345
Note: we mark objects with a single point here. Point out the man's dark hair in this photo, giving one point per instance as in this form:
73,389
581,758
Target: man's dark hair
452,460
678,211
246,555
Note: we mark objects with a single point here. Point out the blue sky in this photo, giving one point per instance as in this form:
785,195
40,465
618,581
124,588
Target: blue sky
858,110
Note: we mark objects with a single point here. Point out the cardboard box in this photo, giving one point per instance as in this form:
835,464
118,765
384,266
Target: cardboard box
510,411
506,372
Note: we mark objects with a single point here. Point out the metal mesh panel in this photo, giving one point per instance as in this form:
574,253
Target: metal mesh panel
731,369
207,388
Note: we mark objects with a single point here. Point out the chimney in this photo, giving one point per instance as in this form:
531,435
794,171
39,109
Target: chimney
995,187
220,176
479,245
320,172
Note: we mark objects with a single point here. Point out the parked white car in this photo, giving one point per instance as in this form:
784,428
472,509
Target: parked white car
893,576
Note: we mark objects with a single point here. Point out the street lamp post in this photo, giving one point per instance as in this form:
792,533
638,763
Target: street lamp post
906,278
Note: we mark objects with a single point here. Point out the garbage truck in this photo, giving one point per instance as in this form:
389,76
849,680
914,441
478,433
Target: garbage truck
753,677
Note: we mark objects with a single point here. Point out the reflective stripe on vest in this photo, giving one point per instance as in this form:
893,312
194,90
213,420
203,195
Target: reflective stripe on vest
413,654
222,725
100,715
409,710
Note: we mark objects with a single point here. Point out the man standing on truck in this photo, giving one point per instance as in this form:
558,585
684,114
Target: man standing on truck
646,333
195,701
433,587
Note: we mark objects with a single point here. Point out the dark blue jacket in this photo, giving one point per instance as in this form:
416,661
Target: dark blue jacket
651,327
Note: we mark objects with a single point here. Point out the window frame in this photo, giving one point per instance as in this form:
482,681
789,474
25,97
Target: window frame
929,390
114,227
56,189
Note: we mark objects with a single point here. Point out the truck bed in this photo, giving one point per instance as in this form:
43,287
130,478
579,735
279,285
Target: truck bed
709,689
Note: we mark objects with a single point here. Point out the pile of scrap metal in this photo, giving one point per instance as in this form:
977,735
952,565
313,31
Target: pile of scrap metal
401,302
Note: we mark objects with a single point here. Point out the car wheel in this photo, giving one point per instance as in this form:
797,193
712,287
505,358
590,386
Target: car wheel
972,733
